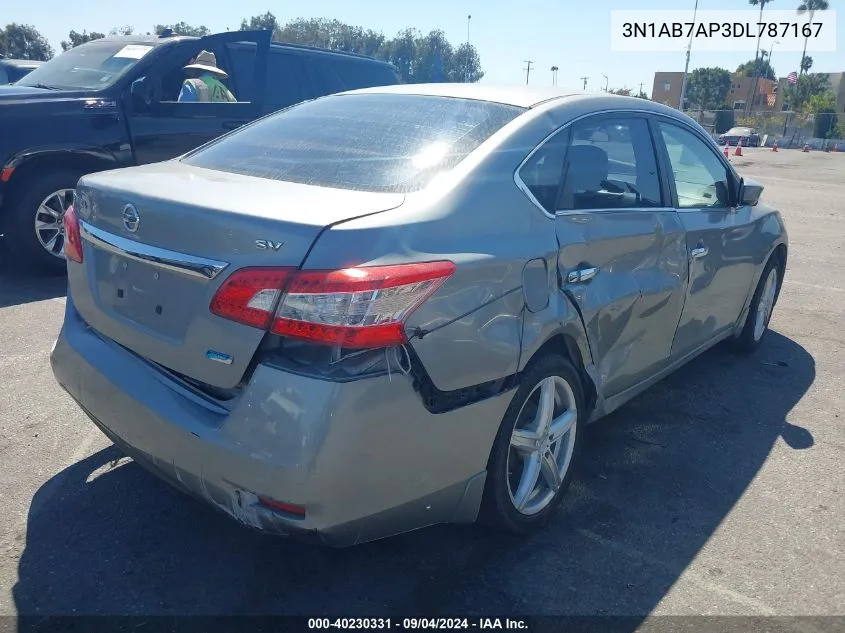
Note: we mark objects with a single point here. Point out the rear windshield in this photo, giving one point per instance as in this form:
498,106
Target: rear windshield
368,142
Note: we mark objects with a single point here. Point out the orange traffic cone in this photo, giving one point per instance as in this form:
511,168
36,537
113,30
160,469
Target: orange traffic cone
806,147
775,147
738,150
727,151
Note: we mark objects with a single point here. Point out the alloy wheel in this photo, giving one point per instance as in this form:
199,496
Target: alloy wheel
542,444
766,304
49,221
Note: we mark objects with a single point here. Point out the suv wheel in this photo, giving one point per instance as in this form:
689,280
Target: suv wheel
33,223
535,451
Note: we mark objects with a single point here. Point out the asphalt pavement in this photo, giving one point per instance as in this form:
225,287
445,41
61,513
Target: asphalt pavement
719,491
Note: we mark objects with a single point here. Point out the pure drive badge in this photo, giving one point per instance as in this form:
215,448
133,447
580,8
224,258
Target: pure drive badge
219,357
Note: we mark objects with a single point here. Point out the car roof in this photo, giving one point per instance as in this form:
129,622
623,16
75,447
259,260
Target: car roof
518,95
156,40
20,63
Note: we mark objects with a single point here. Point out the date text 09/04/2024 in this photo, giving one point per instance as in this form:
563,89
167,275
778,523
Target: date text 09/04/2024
729,30
418,624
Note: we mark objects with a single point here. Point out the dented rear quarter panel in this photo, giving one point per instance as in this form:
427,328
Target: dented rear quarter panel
471,331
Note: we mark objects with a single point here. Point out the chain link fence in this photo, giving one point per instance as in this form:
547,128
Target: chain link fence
789,129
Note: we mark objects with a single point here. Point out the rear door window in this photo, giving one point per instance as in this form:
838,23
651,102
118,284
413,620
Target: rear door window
368,142
4,78
287,82
356,73
610,164
596,163
242,70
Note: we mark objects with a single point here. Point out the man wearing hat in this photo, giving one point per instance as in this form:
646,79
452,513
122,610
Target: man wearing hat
203,83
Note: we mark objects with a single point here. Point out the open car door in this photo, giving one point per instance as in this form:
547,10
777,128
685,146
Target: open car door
162,127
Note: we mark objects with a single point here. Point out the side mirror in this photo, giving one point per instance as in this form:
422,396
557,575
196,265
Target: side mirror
749,192
140,91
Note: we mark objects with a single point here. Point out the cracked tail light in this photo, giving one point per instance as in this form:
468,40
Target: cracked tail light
364,307
250,295
73,239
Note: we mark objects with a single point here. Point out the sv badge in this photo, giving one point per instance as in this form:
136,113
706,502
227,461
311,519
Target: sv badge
268,245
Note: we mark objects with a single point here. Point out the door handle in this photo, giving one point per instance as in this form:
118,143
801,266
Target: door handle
581,275
699,251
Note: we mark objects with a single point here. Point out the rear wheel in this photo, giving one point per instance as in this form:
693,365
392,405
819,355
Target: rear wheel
533,458
33,223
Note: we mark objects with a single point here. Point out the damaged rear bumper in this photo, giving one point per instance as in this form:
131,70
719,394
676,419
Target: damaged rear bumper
364,458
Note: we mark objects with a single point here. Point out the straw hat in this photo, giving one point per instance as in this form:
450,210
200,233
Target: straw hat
207,61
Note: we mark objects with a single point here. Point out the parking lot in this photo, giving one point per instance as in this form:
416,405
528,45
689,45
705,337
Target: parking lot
718,491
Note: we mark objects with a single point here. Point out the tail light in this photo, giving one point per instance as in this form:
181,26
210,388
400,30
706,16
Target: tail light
73,239
363,307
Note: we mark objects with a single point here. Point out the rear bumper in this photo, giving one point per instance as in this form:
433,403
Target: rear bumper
365,458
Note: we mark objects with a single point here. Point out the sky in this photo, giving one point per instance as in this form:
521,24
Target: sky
573,35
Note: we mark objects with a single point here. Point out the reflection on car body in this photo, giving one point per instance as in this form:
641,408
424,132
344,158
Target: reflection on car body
467,276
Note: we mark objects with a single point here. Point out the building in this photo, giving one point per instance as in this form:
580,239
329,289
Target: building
769,97
667,88
742,89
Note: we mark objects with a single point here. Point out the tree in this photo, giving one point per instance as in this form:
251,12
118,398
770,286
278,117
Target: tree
121,30
265,22
418,57
759,67
331,34
465,65
75,39
810,7
22,41
806,63
708,88
809,85
762,4
181,28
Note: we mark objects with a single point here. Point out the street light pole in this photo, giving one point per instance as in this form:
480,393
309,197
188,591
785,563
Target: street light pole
770,50
686,67
606,82
466,70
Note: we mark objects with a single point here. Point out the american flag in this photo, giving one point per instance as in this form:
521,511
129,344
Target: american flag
792,78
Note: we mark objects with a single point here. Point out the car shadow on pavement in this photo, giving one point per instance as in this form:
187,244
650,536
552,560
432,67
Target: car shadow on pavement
18,285
657,479
18,288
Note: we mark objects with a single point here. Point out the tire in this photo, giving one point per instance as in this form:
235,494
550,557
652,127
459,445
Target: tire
22,211
765,296
505,505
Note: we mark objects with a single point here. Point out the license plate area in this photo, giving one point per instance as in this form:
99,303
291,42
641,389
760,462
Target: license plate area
162,301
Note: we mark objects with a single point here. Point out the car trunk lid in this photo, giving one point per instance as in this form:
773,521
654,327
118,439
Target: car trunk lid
159,241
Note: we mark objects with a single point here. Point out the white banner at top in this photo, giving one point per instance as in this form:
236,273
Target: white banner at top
724,30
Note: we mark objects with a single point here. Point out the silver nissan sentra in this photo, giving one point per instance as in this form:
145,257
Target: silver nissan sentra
400,306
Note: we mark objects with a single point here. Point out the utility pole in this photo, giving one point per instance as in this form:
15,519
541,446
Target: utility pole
584,79
527,69
641,89
606,82
554,70
686,67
